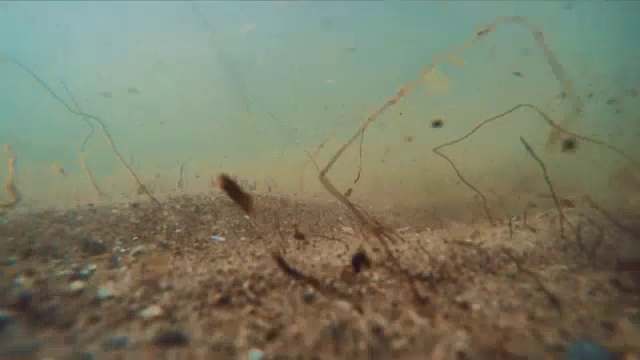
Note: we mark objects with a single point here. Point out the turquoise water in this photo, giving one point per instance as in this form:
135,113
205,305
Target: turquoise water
250,87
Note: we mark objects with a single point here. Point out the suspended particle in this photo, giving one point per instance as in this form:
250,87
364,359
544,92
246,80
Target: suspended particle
569,144
437,122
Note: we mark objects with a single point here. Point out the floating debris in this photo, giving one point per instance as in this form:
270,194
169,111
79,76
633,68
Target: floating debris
518,74
569,144
133,90
235,192
437,122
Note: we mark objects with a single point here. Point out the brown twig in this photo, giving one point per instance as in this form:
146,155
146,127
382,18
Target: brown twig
551,297
10,186
611,218
317,285
547,180
590,251
525,217
103,127
83,150
546,118
180,183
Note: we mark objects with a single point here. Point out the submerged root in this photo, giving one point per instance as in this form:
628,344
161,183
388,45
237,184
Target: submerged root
12,190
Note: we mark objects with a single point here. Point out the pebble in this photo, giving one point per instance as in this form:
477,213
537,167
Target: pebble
94,247
104,293
82,356
256,354
18,280
114,262
11,260
151,312
21,349
586,350
171,337
6,319
77,286
308,296
116,343
138,250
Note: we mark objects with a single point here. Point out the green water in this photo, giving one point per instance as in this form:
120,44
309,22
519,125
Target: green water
250,87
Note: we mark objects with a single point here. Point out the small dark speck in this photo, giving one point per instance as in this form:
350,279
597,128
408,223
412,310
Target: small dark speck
518,74
569,144
611,101
106,94
133,90
437,123
589,95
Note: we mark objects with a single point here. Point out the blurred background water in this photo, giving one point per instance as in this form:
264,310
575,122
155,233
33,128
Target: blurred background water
190,89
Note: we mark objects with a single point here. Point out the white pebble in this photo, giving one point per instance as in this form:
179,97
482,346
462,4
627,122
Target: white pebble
151,312
77,286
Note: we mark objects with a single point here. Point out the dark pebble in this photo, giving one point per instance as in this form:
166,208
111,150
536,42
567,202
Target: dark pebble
94,247
308,296
6,319
115,343
21,349
21,300
586,350
9,261
114,262
82,356
170,338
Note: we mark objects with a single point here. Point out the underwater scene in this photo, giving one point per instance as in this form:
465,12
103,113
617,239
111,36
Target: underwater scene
320,180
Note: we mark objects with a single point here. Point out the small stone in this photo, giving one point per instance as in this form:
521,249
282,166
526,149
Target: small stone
347,230
399,344
104,293
138,250
170,338
343,305
255,354
309,296
77,286
94,247
114,262
585,350
80,275
116,343
6,319
9,261
19,280
151,312
82,356
21,349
